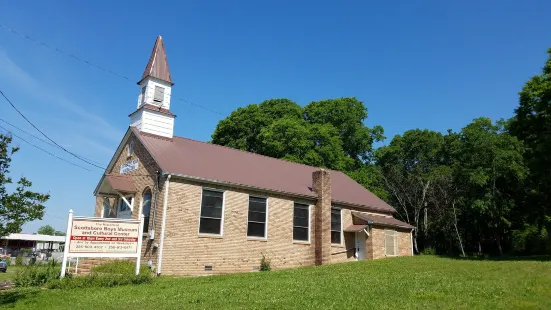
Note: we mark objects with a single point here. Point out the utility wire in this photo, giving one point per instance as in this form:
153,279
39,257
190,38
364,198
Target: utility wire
38,138
64,149
95,65
43,150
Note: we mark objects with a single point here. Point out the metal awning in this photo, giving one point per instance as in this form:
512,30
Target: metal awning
117,183
381,220
355,228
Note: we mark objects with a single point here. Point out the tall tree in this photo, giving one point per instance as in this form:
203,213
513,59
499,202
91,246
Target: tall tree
532,125
46,230
22,205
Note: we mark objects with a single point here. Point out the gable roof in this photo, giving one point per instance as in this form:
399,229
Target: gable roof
210,162
157,66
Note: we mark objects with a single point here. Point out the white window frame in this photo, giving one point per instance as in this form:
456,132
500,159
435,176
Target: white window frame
341,232
395,240
143,95
162,93
309,223
265,224
223,213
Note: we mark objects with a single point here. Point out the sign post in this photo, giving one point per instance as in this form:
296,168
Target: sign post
103,237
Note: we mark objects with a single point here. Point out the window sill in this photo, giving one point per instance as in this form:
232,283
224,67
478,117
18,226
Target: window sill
257,239
210,236
301,242
337,245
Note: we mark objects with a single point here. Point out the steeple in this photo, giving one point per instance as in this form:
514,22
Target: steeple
153,111
157,66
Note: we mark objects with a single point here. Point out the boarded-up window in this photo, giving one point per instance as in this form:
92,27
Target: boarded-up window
256,226
159,94
391,244
211,212
301,222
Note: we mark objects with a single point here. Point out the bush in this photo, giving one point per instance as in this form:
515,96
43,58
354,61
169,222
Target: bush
265,264
36,275
19,260
428,251
114,273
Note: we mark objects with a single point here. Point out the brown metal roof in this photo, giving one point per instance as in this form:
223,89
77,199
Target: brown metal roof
157,66
121,182
153,108
381,220
195,159
355,228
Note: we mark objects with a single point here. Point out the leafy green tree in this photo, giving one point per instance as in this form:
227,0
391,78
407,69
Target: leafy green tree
532,125
491,166
22,205
47,230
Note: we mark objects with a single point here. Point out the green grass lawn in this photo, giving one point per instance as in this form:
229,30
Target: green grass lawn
399,283
8,275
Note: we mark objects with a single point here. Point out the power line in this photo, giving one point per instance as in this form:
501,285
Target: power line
96,66
38,138
28,121
43,150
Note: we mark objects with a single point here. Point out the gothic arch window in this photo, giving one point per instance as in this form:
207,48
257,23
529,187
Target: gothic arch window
146,208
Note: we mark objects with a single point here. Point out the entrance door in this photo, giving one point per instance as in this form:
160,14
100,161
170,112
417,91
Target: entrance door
360,245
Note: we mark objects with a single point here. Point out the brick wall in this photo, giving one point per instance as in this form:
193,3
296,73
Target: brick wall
377,236
144,177
321,185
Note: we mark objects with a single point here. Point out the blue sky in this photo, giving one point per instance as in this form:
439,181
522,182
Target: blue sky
415,64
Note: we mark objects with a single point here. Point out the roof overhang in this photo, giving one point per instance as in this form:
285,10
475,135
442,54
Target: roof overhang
113,184
35,237
382,220
356,228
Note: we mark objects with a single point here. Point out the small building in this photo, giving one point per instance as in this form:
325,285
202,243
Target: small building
15,243
212,209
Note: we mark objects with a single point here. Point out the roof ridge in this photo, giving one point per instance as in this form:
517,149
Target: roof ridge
252,153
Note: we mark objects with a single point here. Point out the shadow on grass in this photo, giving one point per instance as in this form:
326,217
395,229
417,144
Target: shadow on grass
541,258
14,295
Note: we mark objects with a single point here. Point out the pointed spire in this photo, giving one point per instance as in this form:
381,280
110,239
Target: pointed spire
157,66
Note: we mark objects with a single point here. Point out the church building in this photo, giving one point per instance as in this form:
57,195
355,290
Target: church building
211,209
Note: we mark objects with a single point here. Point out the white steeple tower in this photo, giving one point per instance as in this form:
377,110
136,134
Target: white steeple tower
153,112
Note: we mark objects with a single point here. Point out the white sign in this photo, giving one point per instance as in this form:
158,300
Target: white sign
128,166
102,237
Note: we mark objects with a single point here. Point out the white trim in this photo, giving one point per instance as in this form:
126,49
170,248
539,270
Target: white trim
395,241
163,225
265,221
221,234
411,238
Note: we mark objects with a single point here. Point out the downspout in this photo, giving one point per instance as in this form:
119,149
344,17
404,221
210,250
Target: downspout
152,233
411,238
165,205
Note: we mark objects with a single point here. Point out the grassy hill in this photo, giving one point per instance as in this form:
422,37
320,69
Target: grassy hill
399,283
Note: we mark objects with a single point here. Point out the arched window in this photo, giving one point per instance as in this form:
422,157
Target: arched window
146,209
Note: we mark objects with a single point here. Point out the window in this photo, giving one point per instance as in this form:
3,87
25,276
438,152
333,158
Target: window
301,222
143,95
335,226
212,209
146,209
106,207
256,226
391,245
123,207
159,94
130,149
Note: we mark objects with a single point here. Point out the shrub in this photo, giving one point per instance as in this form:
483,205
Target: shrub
265,264
428,251
36,275
19,260
114,273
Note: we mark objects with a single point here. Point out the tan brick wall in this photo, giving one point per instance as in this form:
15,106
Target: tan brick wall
344,252
377,236
321,184
144,177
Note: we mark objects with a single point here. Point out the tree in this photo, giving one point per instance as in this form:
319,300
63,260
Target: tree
491,167
408,164
532,125
47,230
22,205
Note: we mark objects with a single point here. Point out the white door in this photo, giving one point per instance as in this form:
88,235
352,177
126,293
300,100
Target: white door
123,210
360,245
